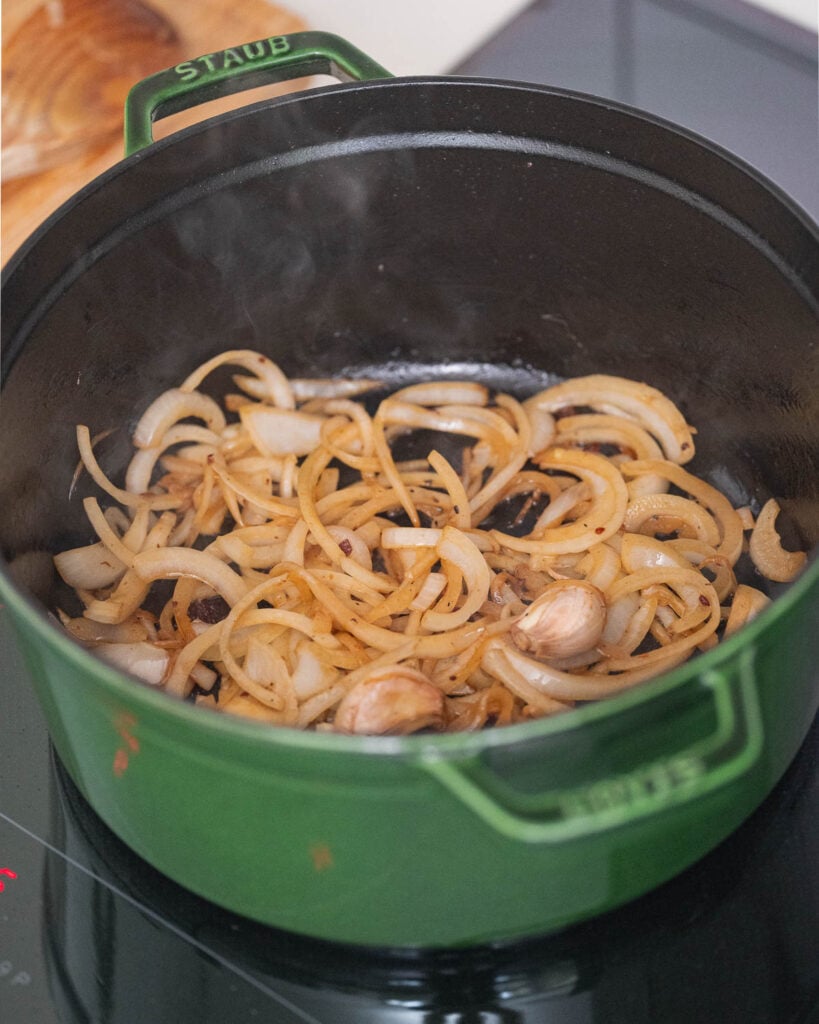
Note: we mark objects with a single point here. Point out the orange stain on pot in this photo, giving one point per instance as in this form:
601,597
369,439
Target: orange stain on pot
125,724
321,856
120,762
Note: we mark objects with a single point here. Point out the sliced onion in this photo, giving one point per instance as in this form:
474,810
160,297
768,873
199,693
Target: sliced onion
311,674
141,659
127,597
277,388
609,500
541,427
629,398
317,705
705,558
619,614
92,567
410,537
180,682
638,551
748,602
170,407
471,421
637,627
457,548
305,388
730,523
542,683
690,585
460,392
89,460
497,483
118,548
766,551
460,516
282,431
141,467
599,428
354,547
335,387
601,566
171,563
429,593
558,509
663,508
248,556
361,427
90,632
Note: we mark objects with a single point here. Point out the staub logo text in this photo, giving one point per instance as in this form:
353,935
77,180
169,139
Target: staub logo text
235,57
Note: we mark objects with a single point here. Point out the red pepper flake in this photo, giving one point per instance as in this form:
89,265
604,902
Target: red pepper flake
600,529
704,599
685,446
346,546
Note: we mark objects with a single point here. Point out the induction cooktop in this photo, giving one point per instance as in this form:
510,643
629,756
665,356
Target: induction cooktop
90,933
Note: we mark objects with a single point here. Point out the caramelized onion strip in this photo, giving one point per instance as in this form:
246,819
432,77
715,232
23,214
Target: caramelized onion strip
765,547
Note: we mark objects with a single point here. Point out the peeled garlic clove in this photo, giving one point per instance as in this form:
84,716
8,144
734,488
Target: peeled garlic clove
391,700
566,618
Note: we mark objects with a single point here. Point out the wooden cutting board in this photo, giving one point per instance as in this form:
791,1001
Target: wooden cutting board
67,68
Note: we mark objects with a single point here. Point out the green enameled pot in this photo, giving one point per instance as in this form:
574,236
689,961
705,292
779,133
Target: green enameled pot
414,227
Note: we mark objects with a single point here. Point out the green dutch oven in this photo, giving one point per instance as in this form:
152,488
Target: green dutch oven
410,228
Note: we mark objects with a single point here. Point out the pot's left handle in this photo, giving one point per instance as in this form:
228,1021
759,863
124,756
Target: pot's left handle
274,59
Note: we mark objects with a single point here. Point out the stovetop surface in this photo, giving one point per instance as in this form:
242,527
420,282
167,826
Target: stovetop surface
89,932
722,68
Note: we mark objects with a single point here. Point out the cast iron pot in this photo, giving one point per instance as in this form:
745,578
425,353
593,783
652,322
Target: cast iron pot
412,228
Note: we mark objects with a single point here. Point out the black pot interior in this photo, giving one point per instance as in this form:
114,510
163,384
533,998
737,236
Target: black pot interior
411,229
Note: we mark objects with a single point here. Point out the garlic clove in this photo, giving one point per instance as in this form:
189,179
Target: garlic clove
393,700
567,618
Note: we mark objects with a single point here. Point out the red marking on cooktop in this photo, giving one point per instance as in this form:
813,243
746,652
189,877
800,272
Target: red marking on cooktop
9,873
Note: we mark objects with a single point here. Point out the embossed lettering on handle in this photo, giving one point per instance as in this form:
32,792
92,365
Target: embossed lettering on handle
237,68
233,57
727,753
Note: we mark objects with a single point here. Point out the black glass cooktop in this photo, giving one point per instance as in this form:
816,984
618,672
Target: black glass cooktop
90,933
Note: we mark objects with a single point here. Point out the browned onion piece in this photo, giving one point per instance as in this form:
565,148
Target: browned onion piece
628,398
748,602
765,547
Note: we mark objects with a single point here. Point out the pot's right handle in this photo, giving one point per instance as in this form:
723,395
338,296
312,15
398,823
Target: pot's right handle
709,763
275,59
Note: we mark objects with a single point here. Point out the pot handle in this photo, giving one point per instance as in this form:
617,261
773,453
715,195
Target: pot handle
710,763
275,59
